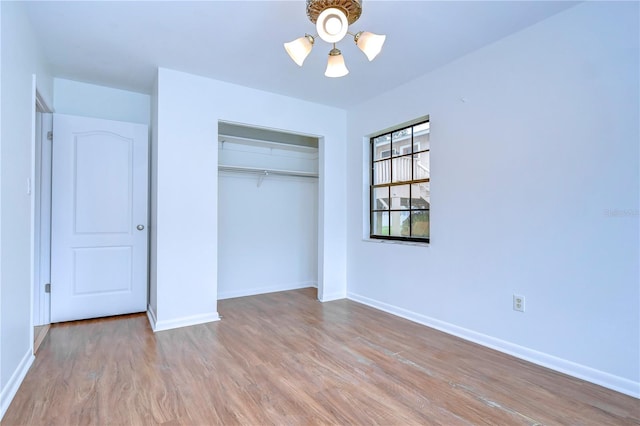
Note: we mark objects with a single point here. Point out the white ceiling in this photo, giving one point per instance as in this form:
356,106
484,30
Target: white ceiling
120,44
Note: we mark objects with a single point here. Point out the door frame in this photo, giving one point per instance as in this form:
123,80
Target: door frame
40,313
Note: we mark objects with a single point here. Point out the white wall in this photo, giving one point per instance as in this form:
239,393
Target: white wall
89,100
153,208
21,59
239,152
534,191
267,226
189,108
267,235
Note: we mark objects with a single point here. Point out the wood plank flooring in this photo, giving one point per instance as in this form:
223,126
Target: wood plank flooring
39,333
285,358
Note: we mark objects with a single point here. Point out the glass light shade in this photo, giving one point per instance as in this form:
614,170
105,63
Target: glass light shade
335,65
299,48
332,25
370,43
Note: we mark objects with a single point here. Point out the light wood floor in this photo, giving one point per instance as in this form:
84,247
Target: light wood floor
285,358
39,333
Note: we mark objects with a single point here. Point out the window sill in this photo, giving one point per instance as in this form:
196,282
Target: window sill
404,243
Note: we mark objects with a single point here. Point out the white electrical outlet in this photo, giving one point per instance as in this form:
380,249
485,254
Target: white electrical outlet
518,303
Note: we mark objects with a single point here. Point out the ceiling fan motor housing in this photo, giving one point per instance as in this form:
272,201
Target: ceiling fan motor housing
351,8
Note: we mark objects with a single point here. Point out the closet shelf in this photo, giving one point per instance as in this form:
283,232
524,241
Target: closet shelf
270,144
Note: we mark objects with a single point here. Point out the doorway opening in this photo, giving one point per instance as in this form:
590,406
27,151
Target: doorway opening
268,210
41,225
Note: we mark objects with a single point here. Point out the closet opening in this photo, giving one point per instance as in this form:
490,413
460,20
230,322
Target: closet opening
267,210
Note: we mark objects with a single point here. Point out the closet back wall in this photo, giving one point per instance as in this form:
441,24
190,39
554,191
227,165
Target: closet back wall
267,226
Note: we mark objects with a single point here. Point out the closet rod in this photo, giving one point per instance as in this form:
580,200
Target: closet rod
266,172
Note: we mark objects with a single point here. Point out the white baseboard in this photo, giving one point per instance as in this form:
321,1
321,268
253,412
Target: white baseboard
151,315
180,322
263,290
10,390
607,380
330,297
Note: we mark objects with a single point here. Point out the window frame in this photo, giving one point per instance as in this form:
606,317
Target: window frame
412,144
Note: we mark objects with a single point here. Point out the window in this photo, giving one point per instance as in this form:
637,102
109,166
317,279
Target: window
400,192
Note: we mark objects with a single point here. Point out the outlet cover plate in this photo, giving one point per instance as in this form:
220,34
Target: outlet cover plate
518,303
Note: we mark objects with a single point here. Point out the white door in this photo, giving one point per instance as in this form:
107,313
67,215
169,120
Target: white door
99,218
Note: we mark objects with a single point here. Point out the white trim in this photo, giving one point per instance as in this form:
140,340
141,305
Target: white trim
366,181
42,104
43,311
602,378
151,315
32,214
10,390
2,403
183,322
36,294
2,398
332,296
401,242
262,290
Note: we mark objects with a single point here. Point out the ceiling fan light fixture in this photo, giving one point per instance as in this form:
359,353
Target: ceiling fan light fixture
335,65
332,19
370,43
299,48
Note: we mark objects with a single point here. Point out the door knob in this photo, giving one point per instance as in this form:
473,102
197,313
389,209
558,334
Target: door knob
140,227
